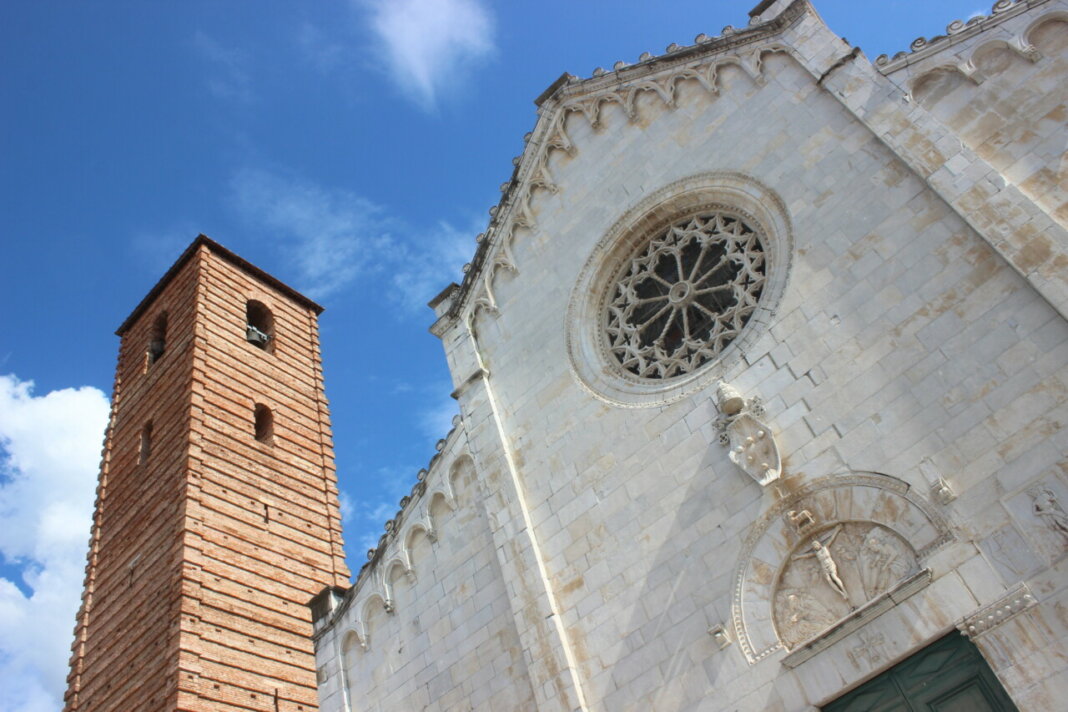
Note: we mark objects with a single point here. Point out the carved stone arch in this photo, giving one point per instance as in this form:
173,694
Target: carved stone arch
982,57
387,579
462,463
366,612
1037,35
432,498
423,524
350,640
939,81
875,530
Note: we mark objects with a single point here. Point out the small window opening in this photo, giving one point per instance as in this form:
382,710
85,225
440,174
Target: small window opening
259,330
264,421
157,341
146,443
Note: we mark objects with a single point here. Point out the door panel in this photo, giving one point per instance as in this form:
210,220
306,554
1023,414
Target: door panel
950,675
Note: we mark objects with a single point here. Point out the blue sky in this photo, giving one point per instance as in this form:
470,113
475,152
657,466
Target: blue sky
352,148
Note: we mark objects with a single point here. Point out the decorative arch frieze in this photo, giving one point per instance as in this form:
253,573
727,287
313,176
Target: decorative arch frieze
827,549
533,175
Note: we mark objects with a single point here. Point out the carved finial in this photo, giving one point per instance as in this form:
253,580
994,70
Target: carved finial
439,445
480,237
598,71
504,186
701,38
466,268
619,65
673,47
493,211
456,420
645,56
421,475
728,30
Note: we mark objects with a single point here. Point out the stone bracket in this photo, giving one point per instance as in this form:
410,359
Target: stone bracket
1016,601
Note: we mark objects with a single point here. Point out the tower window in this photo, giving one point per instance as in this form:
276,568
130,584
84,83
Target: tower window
157,341
146,443
264,423
259,328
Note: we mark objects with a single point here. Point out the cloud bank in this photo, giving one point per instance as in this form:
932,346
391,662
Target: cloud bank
49,455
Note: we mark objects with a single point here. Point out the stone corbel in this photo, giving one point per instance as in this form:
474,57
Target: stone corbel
741,428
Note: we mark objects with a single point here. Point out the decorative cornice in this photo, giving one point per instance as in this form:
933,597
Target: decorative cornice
1016,601
659,75
373,583
956,31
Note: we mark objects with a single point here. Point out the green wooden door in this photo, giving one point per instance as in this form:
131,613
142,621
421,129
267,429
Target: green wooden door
949,675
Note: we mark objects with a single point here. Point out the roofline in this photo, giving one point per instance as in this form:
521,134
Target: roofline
203,240
566,86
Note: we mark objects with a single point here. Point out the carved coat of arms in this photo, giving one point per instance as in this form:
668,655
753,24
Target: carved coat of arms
752,446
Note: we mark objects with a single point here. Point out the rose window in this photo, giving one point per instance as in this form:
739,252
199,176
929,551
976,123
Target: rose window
685,295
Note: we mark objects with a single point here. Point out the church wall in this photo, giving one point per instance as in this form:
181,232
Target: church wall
1002,90
912,366
428,625
903,345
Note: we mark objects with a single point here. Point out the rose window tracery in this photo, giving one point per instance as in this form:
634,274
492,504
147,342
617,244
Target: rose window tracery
685,295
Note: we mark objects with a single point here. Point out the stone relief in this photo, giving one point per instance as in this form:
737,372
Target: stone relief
826,550
1045,506
834,571
752,446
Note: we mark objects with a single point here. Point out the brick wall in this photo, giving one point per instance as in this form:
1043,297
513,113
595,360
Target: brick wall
204,555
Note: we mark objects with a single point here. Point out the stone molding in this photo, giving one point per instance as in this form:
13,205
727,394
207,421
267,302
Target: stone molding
858,618
959,31
1016,601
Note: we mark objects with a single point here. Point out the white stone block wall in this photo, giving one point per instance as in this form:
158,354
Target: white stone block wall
917,337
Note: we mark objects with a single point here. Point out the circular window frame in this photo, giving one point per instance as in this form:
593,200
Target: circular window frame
591,362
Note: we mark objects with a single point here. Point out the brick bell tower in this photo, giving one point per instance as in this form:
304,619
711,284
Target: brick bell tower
217,511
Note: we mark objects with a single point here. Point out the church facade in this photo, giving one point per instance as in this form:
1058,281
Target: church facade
762,366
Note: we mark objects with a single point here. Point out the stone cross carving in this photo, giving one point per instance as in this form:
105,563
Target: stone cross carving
752,446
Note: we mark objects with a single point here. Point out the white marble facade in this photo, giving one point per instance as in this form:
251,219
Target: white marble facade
871,454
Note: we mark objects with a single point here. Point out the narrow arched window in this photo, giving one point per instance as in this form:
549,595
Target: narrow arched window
264,423
157,340
146,443
259,327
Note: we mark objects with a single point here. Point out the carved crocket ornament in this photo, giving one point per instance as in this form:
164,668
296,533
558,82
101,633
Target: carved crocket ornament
752,446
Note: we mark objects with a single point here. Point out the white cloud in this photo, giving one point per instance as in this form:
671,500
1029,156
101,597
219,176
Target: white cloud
230,78
332,236
431,44
431,260
49,454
